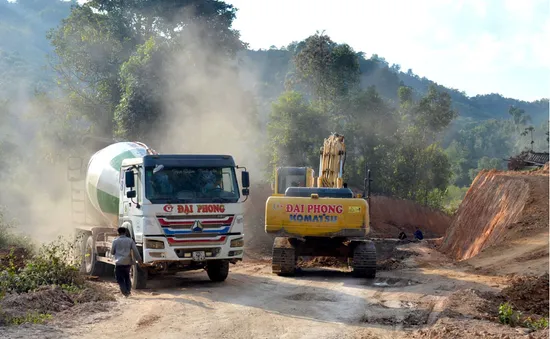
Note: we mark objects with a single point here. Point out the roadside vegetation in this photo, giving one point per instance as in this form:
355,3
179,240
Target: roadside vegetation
36,281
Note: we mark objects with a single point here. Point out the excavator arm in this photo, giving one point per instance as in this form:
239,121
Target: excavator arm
331,164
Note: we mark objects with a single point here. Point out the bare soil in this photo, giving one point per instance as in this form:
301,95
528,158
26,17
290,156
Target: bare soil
500,210
429,296
499,237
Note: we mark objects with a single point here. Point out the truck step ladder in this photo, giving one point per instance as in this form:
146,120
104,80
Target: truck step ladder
76,176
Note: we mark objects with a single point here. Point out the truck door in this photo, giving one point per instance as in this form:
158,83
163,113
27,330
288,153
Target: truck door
127,205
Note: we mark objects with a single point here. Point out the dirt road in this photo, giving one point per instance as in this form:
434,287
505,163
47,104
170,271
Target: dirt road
253,303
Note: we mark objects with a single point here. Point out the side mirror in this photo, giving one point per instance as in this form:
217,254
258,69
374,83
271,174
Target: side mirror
245,191
245,179
131,194
129,179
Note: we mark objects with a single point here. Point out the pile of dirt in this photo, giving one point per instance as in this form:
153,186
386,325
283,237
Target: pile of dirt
44,300
471,304
13,256
529,294
49,300
498,209
308,262
470,313
449,328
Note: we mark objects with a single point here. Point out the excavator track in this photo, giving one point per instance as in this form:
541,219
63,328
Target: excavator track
283,260
364,260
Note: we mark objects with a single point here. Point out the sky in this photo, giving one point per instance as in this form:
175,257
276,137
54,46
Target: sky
476,46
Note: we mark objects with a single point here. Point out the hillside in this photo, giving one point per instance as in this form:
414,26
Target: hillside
271,67
483,133
27,65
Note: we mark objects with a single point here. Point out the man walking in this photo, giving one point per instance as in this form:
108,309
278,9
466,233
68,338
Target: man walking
122,249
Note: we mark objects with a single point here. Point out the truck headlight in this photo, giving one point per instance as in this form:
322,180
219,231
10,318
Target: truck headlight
237,242
154,244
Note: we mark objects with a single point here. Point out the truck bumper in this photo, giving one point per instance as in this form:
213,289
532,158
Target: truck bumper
231,249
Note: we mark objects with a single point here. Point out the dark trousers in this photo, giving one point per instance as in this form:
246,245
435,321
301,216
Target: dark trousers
122,273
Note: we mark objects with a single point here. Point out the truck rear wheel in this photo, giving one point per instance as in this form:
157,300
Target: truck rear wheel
138,277
90,265
364,260
217,270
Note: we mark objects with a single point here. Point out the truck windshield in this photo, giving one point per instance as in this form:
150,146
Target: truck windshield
191,185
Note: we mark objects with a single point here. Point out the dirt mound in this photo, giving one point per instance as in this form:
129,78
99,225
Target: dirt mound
391,216
53,299
450,328
471,304
322,262
44,300
499,208
529,294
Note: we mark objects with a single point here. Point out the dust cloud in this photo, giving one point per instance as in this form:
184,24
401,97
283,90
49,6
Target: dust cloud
207,108
34,189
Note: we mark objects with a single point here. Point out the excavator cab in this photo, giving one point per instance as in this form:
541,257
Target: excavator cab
286,177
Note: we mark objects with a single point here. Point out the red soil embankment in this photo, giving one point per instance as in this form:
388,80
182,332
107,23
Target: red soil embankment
388,218
500,208
391,216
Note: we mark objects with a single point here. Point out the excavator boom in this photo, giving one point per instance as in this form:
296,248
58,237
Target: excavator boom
331,163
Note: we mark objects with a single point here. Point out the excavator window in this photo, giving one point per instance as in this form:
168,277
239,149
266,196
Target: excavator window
290,177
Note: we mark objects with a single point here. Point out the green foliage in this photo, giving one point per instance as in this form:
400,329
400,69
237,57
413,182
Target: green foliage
398,145
53,264
141,82
536,324
31,317
506,314
330,70
453,198
8,238
295,130
110,59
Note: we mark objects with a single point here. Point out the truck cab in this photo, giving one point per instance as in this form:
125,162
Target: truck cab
184,210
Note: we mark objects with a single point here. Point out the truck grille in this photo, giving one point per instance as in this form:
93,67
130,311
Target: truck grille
196,230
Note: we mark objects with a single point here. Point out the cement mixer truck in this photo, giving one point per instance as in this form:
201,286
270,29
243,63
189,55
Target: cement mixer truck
184,211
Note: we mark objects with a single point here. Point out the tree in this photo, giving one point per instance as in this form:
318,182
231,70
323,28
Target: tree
434,112
528,130
296,131
328,69
110,54
518,116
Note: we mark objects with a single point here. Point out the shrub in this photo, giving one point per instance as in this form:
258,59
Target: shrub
10,239
53,264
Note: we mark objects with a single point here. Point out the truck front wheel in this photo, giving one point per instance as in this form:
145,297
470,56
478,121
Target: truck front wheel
138,277
217,270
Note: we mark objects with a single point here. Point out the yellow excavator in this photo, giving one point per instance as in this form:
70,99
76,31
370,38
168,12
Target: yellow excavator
320,216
